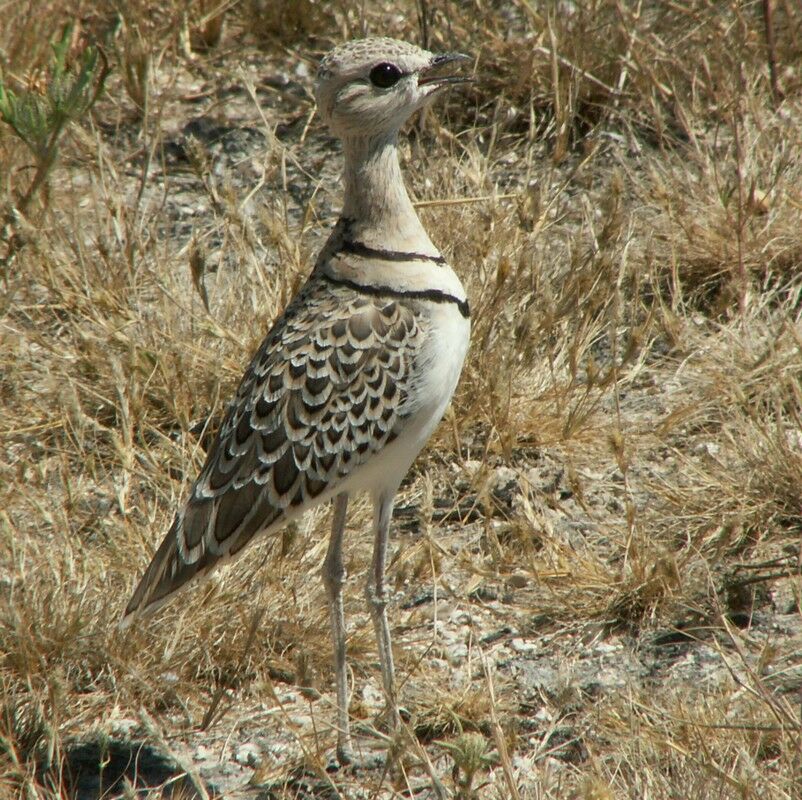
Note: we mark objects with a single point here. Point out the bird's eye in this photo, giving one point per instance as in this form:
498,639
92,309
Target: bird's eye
385,75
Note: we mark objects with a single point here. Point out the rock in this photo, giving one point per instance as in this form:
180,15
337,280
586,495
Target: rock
457,654
785,595
123,727
523,646
518,580
203,753
372,696
248,755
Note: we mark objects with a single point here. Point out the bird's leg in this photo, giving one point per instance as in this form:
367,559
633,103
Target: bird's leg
333,579
376,593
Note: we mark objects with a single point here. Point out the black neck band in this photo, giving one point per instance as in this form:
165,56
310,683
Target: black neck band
433,295
359,249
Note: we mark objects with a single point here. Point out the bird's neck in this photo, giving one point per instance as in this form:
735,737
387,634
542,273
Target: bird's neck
376,203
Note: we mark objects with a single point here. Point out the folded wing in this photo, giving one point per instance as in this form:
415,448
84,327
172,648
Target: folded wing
327,389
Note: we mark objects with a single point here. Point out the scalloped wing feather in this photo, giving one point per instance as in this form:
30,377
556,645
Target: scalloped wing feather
328,388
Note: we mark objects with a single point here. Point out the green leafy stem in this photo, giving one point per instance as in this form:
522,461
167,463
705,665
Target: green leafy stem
39,119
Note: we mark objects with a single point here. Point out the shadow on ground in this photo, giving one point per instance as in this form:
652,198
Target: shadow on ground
91,769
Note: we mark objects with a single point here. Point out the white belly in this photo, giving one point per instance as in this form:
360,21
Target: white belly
439,368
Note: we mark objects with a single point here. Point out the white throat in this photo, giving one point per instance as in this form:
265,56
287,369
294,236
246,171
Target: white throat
376,201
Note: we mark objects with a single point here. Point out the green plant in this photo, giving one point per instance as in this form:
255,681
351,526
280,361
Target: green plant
39,118
470,754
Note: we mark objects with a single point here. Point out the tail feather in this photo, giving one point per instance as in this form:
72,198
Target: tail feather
165,575
169,569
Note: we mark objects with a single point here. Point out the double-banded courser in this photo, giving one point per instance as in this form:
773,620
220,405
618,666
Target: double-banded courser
352,379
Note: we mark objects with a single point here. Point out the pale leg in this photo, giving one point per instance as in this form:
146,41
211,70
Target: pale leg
376,593
333,579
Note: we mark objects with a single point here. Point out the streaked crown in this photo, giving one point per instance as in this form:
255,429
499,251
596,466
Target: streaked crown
371,86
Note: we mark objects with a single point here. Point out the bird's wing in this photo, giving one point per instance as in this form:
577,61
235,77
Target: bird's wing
328,387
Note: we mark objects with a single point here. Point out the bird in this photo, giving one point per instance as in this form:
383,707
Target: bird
352,378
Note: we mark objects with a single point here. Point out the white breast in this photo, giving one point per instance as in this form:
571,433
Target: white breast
437,373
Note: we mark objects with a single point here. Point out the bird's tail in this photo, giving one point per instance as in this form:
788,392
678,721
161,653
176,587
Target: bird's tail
165,575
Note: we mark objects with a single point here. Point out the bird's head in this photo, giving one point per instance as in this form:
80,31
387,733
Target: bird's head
368,87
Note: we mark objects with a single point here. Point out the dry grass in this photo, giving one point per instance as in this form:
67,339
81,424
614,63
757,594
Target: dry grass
598,557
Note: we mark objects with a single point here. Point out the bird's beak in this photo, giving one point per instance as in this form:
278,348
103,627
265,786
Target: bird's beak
432,75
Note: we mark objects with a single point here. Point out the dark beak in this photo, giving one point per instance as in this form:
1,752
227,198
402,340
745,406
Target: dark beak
433,74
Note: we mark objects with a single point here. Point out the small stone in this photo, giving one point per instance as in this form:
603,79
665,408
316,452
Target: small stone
124,727
518,580
203,753
372,697
785,595
522,646
457,654
503,477
460,617
248,755
472,466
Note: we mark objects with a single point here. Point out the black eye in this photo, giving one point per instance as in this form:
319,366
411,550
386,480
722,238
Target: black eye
385,75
